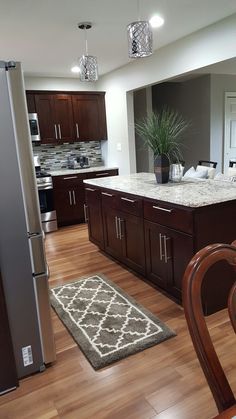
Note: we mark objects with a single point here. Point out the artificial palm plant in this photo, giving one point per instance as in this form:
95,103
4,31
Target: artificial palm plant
163,133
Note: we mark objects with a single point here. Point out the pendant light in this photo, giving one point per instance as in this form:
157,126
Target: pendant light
88,63
139,37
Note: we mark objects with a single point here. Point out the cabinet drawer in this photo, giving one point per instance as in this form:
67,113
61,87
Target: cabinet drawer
92,194
68,180
169,215
130,204
109,198
103,173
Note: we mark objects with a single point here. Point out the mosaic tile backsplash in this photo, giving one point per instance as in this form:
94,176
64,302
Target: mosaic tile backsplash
55,157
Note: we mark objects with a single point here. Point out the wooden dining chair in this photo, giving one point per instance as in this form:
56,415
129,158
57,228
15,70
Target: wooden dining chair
192,284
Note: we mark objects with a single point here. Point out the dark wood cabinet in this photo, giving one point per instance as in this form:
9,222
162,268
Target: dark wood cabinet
93,216
69,116
8,375
167,254
123,229
69,199
89,117
159,239
55,118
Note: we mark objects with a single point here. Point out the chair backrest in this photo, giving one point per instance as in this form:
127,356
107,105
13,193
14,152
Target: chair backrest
211,163
192,283
231,163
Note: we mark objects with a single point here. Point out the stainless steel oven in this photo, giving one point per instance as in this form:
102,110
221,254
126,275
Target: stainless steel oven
34,127
45,192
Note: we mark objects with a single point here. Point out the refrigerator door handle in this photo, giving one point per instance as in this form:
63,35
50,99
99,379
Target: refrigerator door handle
37,253
45,321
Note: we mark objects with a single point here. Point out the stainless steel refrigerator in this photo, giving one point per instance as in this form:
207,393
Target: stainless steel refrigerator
22,256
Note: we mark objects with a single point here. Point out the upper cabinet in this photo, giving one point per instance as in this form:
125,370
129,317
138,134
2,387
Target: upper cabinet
69,117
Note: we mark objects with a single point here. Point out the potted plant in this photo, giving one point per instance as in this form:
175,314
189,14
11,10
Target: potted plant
162,132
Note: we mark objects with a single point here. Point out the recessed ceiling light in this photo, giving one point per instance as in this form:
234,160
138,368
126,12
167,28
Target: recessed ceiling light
75,69
156,21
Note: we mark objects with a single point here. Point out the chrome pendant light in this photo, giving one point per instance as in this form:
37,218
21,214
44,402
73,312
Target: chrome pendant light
139,38
88,63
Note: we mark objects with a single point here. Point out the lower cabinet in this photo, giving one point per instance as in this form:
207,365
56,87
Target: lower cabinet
123,233
93,216
167,254
69,199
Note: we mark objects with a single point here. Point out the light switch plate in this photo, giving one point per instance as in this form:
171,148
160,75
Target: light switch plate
118,146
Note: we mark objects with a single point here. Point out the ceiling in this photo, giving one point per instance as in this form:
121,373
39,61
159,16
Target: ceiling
43,34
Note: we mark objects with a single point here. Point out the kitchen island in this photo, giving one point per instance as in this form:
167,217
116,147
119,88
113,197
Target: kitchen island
156,229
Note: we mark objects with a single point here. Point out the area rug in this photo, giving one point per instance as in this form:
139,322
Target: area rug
107,324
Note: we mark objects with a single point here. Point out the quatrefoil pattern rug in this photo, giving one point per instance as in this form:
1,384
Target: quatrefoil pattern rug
107,324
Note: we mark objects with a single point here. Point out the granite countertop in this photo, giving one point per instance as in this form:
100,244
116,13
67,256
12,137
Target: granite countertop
189,192
62,172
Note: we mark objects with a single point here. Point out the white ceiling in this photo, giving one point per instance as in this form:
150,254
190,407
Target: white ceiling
43,34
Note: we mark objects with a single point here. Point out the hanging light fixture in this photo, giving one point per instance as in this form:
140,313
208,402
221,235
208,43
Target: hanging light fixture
88,63
139,37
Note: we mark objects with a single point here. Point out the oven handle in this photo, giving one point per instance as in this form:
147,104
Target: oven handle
44,187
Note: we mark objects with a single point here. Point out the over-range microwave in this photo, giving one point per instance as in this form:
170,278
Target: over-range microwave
34,127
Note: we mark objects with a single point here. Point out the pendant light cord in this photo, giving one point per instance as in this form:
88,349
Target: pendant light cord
138,8
86,42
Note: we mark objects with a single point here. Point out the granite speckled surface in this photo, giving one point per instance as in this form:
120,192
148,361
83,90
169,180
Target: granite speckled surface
188,192
63,172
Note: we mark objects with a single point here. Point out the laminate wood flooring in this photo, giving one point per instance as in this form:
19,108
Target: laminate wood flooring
162,382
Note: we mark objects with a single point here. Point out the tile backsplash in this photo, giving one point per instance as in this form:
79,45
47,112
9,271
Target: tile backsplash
54,157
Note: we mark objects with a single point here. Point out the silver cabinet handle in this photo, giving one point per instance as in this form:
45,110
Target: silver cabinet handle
77,130
73,192
107,194
90,189
116,224
120,221
128,200
165,249
59,130
70,177
55,128
160,243
86,213
162,209
102,174
70,197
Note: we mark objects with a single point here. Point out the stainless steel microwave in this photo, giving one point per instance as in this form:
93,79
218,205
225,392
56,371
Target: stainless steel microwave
34,127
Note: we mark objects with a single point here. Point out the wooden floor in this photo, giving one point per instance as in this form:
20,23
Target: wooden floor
162,382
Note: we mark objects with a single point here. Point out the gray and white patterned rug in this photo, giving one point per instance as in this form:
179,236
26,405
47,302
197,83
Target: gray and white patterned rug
107,324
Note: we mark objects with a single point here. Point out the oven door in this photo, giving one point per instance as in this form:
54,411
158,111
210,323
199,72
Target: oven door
48,213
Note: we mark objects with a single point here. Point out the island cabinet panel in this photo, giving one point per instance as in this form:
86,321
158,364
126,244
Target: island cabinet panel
123,231
167,255
69,199
93,216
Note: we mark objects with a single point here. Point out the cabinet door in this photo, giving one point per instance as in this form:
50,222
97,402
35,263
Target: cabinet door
64,118
112,241
87,119
8,376
94,216
63,200
178,248
45,109
132,235
158,271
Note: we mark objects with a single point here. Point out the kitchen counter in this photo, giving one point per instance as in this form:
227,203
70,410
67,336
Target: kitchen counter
63,172
189,192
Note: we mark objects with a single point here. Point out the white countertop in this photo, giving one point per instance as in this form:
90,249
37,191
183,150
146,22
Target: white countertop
64,172
188,192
